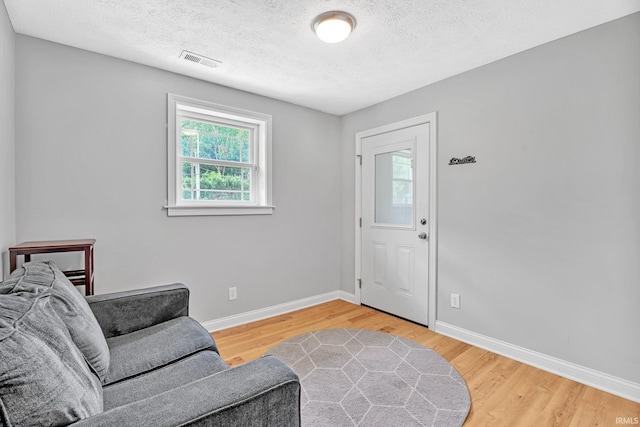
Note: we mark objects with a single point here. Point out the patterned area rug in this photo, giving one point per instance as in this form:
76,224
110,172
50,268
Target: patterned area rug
356,377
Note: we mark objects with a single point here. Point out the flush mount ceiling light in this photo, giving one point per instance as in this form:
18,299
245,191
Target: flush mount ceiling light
334,26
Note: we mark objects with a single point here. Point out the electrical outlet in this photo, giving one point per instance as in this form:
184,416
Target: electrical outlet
455,300
233,293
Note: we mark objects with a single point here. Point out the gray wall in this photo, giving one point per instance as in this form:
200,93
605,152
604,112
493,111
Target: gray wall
7,138
91,161
541,237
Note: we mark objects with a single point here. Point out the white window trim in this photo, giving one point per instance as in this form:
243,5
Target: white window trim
262,125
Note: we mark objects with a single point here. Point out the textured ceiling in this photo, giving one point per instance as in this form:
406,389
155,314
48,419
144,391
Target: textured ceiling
267,47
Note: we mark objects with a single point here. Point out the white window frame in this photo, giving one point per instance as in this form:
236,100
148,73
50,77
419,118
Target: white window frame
260,126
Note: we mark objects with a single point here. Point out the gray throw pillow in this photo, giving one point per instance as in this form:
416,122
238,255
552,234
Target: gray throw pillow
44,379
39,276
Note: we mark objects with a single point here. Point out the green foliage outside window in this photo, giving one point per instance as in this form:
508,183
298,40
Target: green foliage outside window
200,181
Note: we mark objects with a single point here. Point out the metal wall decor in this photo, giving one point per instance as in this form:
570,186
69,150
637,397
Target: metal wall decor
457,161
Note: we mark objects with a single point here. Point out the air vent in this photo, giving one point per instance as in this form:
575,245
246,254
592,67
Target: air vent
199,59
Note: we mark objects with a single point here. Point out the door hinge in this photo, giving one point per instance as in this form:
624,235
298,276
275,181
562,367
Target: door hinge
359,283
360,222
359,156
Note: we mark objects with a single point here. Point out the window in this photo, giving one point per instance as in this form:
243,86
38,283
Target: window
402,178
219,159
394,187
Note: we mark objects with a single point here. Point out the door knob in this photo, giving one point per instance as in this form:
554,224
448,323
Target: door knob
422,236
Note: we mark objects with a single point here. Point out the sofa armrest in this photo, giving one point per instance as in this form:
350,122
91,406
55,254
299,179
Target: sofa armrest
264,392
123,312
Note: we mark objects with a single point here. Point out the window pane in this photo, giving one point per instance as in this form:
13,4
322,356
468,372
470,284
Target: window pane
211,182
402,164
205,140
394,188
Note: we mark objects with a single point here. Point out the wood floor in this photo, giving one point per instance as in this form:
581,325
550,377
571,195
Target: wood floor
503,392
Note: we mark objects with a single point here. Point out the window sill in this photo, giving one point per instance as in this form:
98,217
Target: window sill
222,210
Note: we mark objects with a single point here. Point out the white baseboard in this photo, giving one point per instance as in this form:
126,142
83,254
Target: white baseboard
263,313
610,384
346,296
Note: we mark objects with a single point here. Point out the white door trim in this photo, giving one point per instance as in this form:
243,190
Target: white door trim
431,119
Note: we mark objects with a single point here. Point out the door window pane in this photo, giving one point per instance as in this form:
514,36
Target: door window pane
394,188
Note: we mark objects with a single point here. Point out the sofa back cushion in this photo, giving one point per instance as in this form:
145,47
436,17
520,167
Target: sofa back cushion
39,276
44,379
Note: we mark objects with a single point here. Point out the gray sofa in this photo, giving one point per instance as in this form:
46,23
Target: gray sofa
125,359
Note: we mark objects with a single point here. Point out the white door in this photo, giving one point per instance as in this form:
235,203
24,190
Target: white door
395,222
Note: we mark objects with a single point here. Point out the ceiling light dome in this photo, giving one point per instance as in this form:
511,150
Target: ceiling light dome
333,27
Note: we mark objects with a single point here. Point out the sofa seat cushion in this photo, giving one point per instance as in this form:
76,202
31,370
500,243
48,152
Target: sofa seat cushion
40,276
192,368
148,349
44,379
